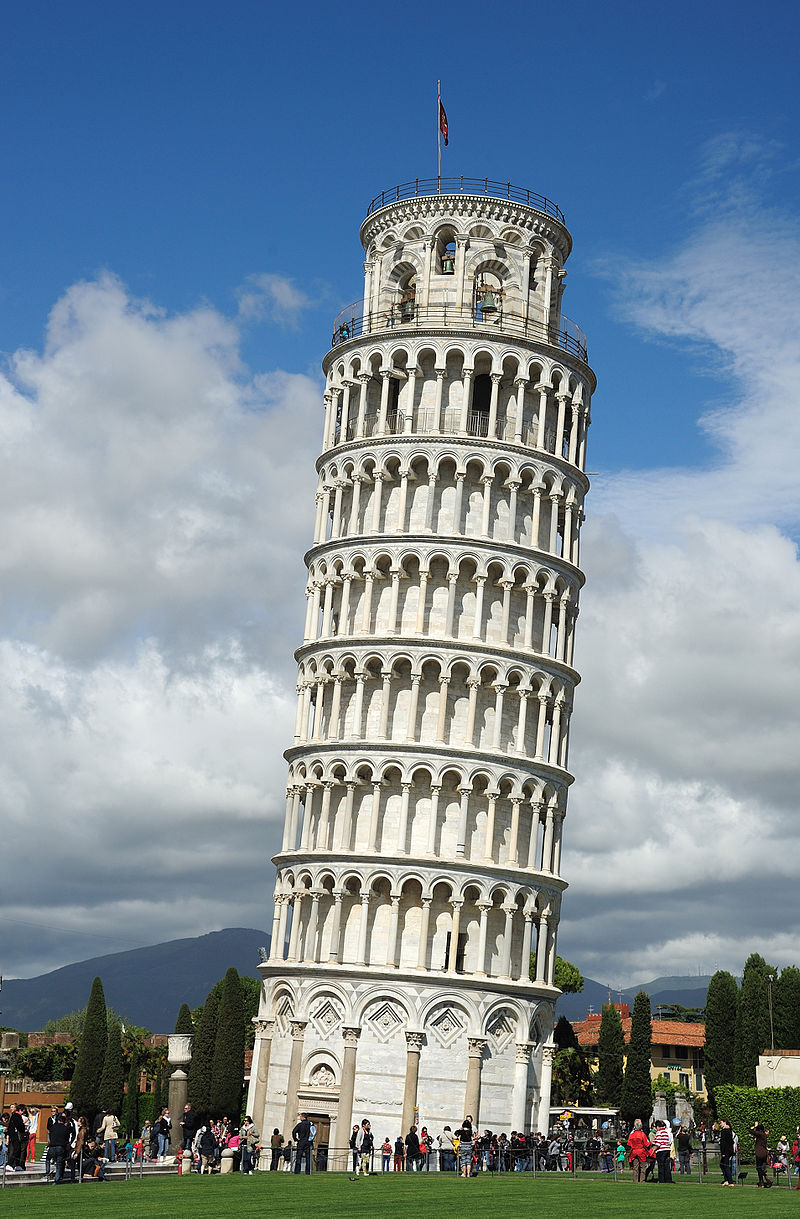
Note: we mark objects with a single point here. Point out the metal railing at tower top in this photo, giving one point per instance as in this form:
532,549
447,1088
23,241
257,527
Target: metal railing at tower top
353,323
484,187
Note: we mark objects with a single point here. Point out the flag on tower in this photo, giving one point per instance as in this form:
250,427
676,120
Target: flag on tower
443,120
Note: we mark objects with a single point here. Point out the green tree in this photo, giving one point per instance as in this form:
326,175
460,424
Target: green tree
786,1005
184,1023
112,1081
572,1075
201,1066
752,1021
721,1001
91,1055
566,976
676,1011
129,1118
227,1074
637,1093
610,1056
251,996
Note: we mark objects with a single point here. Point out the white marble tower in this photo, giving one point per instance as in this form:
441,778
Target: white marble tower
428,776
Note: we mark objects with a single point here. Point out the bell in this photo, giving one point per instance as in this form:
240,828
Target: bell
448,264
488,301
407,310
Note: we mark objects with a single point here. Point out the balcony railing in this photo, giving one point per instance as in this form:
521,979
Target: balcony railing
353,323
483,187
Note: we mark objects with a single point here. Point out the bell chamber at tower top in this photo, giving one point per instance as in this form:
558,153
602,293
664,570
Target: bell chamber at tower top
460,330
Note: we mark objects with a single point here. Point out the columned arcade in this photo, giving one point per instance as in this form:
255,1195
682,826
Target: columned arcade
427,788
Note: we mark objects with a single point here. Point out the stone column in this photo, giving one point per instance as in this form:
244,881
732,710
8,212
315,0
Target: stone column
262,1052
413,1048
179,1055
519,1116
472,1096
545,1083
298,1029
344,1119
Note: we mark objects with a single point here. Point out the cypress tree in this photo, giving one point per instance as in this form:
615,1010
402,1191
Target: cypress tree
227,1074
637,1092
202,1063
85,1084
610,1054
129,1118
752,1021
721,1001
786,1004
184,1023
112,1081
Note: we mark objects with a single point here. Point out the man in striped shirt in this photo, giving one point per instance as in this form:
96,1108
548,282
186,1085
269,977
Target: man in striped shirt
663,1145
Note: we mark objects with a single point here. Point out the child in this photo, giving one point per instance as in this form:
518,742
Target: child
386,1154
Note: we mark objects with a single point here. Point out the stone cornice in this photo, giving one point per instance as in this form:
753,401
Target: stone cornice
453,650
425,442
468,758
465,207
526,992
425,865
391,542
494,336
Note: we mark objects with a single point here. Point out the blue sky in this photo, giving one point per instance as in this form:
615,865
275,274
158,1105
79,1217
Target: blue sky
183,185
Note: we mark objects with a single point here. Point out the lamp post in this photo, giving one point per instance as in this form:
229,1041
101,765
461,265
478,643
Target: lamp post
770,980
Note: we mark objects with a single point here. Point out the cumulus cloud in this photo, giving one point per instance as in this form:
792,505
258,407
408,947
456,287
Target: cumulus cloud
156,498
682,837
270,297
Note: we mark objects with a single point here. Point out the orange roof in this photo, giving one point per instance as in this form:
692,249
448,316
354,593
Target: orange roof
665,1032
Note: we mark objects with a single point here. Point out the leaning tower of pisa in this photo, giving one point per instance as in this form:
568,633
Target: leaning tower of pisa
420,863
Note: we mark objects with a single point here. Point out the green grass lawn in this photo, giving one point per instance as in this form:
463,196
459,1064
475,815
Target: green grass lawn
421,1196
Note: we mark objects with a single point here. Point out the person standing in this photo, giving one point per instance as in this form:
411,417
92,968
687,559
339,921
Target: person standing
58,1146
684,1145
163,1127
364,1143
638,1149
663,1144
302,1137
17,1136
412,1150
386,1154
275,1144
761,1147
249,1136
726,1151
465,1147
188,1128
109,1136
399,1153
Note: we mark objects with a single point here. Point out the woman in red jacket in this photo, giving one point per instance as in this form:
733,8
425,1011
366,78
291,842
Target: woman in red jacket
638,1148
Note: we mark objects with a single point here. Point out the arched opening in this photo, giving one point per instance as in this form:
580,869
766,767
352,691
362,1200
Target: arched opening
481,401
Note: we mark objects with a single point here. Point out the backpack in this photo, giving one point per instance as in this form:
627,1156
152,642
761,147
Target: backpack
312,1134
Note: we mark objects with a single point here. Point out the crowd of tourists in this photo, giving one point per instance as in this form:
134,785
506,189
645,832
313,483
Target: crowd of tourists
77,1148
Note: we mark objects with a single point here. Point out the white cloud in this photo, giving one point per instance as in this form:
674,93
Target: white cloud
156,500
271,297
683,821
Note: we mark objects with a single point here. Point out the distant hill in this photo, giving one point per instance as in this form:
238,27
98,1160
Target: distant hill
687,991
144,985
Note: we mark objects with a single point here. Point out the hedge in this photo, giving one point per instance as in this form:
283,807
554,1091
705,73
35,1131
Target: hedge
777,1108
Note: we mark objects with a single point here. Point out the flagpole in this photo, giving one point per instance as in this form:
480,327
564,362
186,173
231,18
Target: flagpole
439,134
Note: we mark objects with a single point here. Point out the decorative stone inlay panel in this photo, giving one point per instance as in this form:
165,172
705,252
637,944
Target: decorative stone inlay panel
446,1024
384,1020
502,1029
283,1014
326,1017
